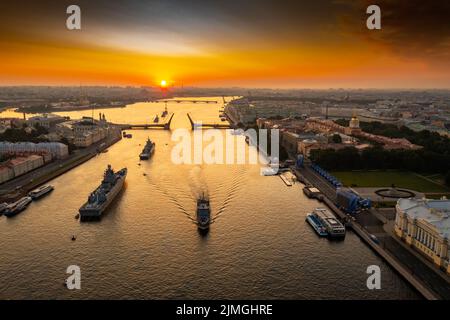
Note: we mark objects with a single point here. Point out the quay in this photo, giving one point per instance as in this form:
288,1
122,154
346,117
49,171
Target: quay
19,187
425,282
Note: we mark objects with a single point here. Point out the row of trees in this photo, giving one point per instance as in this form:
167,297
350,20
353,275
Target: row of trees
22,135
431,141
377,158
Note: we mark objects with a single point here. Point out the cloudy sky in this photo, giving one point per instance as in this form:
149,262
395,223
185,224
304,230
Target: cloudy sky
253,43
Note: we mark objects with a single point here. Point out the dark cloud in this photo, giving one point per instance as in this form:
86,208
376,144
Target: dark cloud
409,27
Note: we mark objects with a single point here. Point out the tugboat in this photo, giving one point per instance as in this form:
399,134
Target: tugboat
203,213
101,198
40,192
148,150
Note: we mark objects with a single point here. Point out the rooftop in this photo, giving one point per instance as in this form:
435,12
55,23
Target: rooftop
434,212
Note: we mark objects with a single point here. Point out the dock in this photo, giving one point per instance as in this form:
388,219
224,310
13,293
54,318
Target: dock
288,178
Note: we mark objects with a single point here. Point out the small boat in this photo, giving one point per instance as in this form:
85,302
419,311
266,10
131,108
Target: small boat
164,113
203,213
156,120
40,192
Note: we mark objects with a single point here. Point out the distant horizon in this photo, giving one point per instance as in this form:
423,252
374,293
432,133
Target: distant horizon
252,44
220,87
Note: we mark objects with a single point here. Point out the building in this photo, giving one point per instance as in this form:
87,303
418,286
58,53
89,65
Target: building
47,120
6,173
56,149
85,132
328,126
19,166
247,111
425,226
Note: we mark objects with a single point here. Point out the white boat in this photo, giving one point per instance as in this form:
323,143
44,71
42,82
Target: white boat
333,226
40,192
316,224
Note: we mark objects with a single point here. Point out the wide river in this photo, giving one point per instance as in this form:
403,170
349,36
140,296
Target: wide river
148,247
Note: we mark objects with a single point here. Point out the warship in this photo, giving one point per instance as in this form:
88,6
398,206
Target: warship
101,198
148,150
203,213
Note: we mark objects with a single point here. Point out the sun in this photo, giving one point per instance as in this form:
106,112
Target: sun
163,83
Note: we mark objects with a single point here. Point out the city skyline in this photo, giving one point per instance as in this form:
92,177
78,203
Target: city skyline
253,44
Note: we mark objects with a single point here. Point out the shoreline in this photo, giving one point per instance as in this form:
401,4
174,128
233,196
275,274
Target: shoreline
364,235
66,165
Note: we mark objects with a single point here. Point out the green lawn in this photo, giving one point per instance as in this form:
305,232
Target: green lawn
408,180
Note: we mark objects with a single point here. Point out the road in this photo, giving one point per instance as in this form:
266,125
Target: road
19,186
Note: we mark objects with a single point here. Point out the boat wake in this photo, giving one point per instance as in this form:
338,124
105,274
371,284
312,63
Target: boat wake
236,185
173,199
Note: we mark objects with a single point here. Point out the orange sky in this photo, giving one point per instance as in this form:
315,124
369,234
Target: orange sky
334,52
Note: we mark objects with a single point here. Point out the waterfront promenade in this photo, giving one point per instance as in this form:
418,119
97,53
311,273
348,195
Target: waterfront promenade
20,186
423,277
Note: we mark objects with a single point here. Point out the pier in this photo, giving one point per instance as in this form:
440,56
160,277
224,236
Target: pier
165,125
201,125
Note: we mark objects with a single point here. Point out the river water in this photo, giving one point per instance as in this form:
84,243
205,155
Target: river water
147,245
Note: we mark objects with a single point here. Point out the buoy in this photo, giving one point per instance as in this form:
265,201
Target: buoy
74,238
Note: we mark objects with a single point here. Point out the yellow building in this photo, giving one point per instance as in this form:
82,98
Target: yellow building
425,226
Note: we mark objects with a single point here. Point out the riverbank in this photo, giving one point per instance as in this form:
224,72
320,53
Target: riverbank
365,227
39,110
12,190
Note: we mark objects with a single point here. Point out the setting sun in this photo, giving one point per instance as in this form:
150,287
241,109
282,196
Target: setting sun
163,83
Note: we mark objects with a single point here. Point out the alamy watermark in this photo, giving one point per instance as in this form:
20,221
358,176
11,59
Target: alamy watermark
374,280
73,282
73,21
215,146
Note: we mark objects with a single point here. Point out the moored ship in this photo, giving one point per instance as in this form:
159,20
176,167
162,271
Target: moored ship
17,207
332,225
317,225
101,198
203,213
148,150
40,192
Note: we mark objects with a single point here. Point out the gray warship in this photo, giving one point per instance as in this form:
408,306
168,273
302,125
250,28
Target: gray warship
101,198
